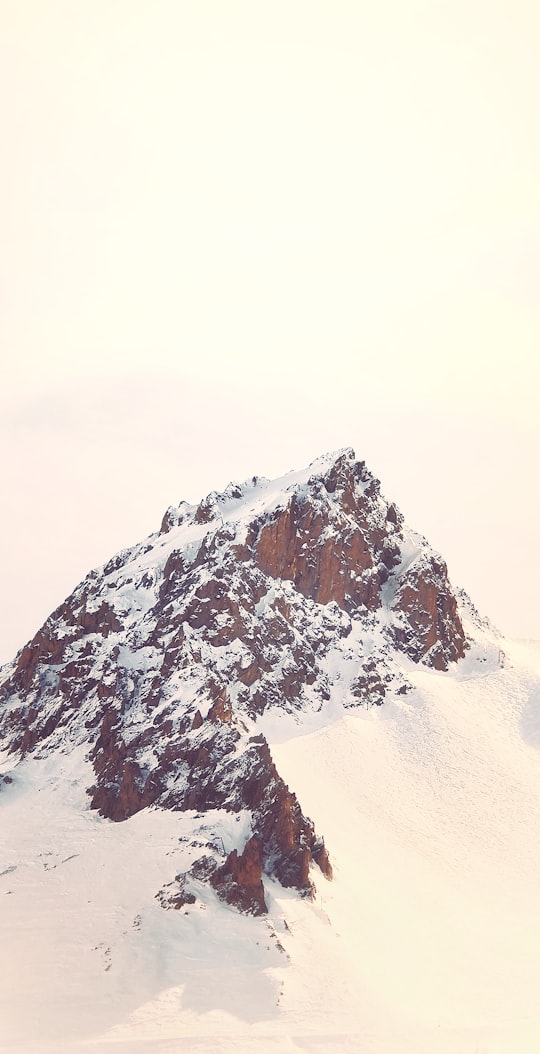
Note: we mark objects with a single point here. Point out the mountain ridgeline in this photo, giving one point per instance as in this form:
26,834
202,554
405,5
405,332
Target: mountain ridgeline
267,601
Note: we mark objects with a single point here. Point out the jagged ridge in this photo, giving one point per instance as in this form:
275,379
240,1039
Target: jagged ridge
265,596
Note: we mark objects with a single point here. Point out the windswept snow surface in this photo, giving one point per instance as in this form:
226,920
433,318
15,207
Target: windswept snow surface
426,942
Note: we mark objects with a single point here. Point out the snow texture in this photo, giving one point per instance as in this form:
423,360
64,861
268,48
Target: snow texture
428,937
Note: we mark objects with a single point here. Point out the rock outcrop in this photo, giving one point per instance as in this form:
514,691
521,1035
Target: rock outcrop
239,879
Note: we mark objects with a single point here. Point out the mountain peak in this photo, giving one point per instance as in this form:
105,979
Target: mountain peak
339,465
271,597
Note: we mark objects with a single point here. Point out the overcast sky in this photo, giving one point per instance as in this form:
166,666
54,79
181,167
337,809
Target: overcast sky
237,234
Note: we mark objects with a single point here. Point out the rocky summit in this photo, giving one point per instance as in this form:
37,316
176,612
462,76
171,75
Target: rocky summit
266,601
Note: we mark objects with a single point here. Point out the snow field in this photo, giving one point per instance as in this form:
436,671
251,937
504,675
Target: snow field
428,939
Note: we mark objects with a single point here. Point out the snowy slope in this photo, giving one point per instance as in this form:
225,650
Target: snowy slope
428,937
425,939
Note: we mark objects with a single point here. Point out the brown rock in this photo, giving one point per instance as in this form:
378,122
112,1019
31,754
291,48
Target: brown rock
239,880
327,562
428,627
221,709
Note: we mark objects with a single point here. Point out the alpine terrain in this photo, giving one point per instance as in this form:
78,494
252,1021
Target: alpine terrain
268,782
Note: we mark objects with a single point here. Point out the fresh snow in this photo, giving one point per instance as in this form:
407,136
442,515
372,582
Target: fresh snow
428,938
427,941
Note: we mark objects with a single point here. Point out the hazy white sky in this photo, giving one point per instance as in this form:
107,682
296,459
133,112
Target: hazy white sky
237,234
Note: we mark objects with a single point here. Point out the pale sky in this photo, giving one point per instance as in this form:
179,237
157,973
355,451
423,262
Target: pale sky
235,235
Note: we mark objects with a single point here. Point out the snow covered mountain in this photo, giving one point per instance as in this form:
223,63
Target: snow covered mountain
268,596
280,695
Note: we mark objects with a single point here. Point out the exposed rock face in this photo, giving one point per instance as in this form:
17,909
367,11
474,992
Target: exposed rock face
239,879
266,597
336,550
427,622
